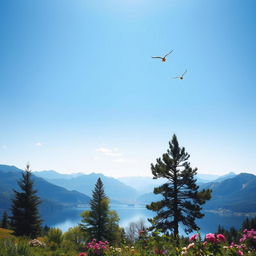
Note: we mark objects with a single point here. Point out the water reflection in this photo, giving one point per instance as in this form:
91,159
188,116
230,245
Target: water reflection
209,224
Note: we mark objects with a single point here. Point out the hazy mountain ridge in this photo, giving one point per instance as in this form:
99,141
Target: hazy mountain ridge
126,189
51,174
235,194
141,184
145,184
231,192
84,183
53,197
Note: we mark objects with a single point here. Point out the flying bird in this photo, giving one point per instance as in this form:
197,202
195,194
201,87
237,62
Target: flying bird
180,77
162,58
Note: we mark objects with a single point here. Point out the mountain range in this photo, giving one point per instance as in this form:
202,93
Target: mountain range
53,197
146,185
230,192
234,193
117,191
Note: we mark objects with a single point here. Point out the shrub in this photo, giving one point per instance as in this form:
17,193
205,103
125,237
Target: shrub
76,236
54,237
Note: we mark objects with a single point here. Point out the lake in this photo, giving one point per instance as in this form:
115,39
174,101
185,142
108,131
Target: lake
209,224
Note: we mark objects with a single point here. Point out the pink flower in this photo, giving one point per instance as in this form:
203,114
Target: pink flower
240,253
82,254
193,238
190,246
221,238
210,238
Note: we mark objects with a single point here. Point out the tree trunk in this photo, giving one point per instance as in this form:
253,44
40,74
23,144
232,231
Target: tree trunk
175,208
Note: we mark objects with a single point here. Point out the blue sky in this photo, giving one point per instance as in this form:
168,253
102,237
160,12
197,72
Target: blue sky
80,92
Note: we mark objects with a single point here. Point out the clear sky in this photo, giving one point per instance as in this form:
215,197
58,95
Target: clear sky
79,90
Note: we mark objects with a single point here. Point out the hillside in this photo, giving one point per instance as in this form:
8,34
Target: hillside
115,190
53,197
236,194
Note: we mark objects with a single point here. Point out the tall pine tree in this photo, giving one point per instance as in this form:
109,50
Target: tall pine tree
181,201
100,223
25,219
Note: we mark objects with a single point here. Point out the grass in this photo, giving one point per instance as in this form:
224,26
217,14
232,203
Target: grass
6,233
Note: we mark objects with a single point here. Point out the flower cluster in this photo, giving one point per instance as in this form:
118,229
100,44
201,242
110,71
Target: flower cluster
95,248
213,243
115,249
247,242
212,238
125,250
248,235
239,248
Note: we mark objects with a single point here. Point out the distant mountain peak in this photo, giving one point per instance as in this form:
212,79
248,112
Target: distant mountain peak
9,168
226,176
84,183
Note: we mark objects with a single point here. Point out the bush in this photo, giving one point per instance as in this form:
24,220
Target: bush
54,238
75,237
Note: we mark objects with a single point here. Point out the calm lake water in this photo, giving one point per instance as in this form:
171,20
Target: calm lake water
209,224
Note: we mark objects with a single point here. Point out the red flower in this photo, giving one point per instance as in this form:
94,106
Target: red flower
210,237
221,238
193,238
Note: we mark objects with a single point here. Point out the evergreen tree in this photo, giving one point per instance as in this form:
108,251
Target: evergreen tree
25,219
100,223
233,234
5,221
181,200
249,223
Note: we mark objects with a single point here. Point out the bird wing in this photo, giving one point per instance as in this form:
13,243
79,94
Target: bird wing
156,57
176,77
168,54
184,73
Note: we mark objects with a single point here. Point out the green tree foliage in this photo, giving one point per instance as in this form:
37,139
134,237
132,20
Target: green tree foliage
100,223
181,201
5,221
249,223
115,233
76,236
25,219
232,235
54,238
